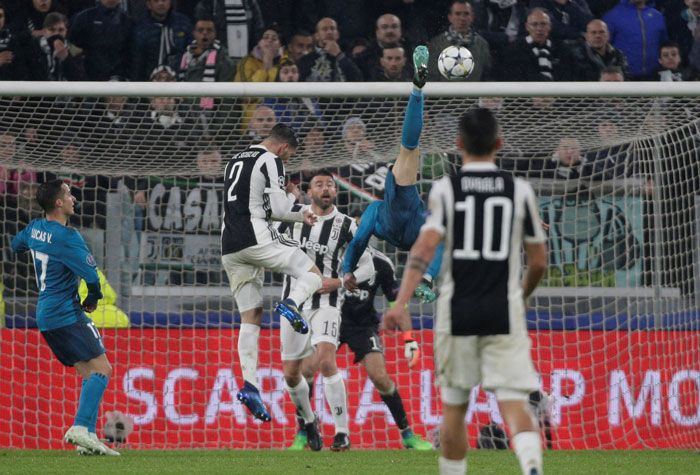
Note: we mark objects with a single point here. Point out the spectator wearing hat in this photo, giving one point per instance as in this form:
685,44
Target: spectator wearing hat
160,39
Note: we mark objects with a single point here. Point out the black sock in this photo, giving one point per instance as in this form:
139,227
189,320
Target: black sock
395,405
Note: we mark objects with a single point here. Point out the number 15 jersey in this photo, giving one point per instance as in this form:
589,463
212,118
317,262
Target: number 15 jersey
484,216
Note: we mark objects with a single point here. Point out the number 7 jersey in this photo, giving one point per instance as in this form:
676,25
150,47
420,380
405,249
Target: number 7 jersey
61,258
484,216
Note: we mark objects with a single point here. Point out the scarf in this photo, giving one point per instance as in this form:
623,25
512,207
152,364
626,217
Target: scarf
167,43
456,38
54,69
669,75
690,19
543,55
236,27
189,59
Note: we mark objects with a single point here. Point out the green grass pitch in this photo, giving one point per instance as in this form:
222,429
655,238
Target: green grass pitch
200,462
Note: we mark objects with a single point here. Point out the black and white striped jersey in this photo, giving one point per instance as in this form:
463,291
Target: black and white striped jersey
484,215
249,179
325,243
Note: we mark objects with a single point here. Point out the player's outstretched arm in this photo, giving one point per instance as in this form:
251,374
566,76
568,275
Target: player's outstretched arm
359,242
406,166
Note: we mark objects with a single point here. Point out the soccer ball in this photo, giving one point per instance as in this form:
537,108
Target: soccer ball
455,63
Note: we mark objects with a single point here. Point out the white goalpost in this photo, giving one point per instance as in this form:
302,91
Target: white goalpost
615,324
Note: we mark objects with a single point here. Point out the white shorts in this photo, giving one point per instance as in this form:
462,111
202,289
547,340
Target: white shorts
501,363
245,269
324,326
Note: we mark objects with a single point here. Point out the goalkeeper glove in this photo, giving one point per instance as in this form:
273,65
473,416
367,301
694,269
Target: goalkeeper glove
410,348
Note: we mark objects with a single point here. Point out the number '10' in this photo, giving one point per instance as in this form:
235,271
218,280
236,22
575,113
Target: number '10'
468,207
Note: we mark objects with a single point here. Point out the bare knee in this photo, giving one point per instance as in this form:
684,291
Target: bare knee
326,359
292,373
253,316
379,377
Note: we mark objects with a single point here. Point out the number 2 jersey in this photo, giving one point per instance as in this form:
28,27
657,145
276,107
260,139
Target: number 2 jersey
358,309
252,179
484,215
61,259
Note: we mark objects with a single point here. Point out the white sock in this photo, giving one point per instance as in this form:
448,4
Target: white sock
334,389
304,287
528,449
452,467
300,398
248,352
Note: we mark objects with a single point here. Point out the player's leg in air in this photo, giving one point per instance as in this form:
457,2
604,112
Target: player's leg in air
323,337
246,282
403,210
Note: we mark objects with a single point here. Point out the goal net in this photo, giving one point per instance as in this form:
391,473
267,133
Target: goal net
614,324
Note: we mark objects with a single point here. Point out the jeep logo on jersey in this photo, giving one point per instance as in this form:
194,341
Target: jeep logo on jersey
314,246
357,293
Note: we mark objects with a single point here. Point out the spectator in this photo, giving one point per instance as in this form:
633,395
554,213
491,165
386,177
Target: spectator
300,44
205,60
54,58
12,55
611,74
353,17
670,61
567,162
261,65
615,159
460,33
569,20
293,111
536,57
596,53
638,30
358,48
103,33
355,145
159,40
328,63
237,24
682,27
387,32
500,23
392,65
163,74
28,23
261,123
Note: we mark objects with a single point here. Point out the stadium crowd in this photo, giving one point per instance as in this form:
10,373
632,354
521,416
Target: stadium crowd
290,41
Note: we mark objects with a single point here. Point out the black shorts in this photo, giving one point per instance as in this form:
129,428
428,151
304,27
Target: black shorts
79,341
361,340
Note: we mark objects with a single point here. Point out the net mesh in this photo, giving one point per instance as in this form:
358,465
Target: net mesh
614,324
